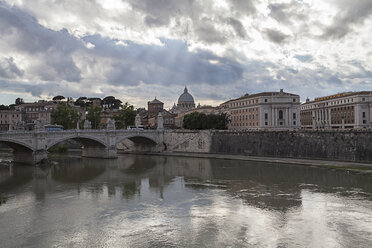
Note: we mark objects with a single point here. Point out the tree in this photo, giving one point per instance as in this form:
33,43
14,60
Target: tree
66,116
94,116
4,107
58,98
19,101
110,102
199,121
81,101
125,117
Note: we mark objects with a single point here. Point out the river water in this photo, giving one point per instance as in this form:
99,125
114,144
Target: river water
158,201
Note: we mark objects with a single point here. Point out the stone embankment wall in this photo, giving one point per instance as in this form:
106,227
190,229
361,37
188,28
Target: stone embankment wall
328,145
187,140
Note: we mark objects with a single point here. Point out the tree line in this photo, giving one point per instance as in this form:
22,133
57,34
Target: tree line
199,121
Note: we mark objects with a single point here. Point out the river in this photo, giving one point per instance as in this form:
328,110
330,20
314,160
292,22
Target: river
159,201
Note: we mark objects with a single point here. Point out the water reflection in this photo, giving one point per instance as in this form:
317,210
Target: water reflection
156,201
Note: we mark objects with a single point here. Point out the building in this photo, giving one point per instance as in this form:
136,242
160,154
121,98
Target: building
41,110
168,120
266,110
185,103
343,110
154,107
9,119
200,109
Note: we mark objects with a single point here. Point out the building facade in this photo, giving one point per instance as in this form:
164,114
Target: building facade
266,110
41,111
9,119
154,107
350,110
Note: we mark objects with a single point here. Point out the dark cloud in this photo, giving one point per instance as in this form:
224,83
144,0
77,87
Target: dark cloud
170,64
288,13
9,69
351,13
238,27
51,50
206,32
159,13
245,7
275,36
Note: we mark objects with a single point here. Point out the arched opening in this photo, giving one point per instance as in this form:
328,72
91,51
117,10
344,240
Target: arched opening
138,144
21,153
74,143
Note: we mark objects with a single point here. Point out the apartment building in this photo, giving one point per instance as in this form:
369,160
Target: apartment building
265,110
9,119
350,110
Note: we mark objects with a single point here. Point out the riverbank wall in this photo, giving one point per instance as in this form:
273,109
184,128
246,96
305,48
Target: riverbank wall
349,145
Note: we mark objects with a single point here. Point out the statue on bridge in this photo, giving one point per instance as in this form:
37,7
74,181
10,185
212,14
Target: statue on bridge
20,126
138,121
39,125
110,124
87,124
160,121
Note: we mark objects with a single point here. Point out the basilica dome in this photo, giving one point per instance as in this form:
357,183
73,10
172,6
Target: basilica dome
186,97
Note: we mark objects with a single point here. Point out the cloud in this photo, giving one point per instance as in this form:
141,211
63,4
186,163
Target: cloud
304,57
169,64
51,51
9,69
350,14
276,36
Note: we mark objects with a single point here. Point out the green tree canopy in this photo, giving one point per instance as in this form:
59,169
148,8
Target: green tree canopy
125,117
94,116
58,98
66,116
200,121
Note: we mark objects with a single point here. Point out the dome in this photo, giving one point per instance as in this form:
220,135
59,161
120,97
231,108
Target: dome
186,97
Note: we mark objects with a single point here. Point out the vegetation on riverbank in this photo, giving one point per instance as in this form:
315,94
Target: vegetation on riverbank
2,200
58,149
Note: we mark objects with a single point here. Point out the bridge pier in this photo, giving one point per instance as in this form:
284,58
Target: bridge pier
100,152
29,157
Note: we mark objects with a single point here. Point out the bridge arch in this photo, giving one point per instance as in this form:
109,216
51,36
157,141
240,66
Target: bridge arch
17,145
85,140
138,143
138,139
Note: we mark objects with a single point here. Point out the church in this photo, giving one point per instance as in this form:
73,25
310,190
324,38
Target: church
185,103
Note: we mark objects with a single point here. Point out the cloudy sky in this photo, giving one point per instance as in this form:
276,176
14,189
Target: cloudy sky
221,49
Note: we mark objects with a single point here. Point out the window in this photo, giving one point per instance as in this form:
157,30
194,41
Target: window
294,116
364,122
265,100
281,123
280,115
364,114
294,99
266,123
363,99
266,116
294,123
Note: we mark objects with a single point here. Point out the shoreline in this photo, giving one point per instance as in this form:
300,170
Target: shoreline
355,167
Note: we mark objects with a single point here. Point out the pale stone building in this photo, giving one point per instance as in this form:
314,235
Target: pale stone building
266,110
9,119
342,110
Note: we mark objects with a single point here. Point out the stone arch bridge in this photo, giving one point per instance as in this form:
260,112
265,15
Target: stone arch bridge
32,146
